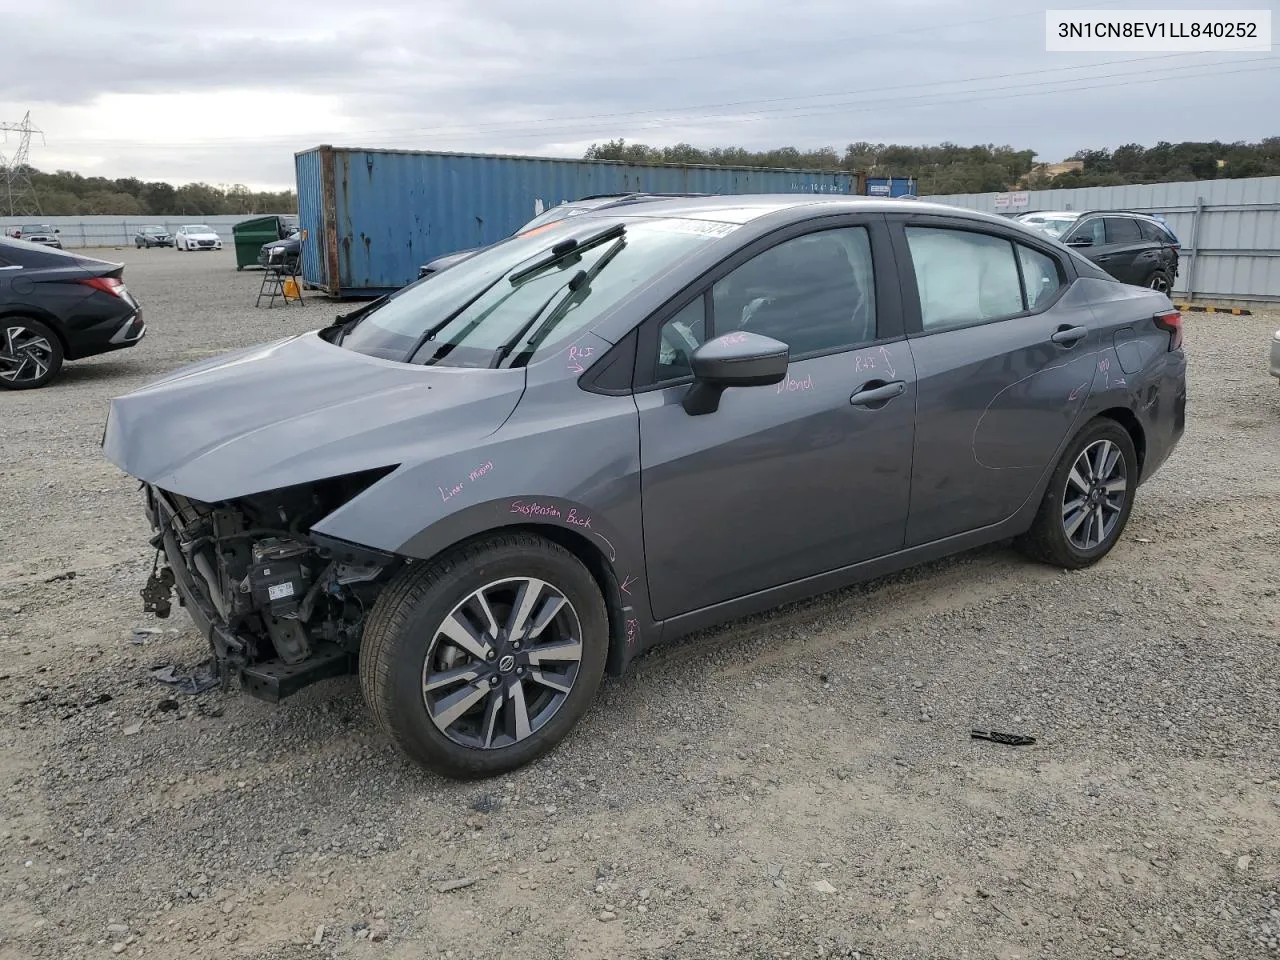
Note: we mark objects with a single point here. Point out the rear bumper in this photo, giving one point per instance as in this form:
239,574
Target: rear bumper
1164,413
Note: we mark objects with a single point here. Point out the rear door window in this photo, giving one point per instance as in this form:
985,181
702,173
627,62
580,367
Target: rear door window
1122,230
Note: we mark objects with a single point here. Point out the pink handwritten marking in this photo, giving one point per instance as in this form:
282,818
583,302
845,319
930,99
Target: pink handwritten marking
1076,392
729,339
449,493
888,361
535,509
633,632
792,385
578,521
1104,364
626,585
863,363
577,355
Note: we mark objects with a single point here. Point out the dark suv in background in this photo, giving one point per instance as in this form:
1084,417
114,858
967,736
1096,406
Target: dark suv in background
1132,247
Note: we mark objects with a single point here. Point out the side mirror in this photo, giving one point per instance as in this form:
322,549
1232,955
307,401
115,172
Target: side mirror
56,230
737,359
1080,242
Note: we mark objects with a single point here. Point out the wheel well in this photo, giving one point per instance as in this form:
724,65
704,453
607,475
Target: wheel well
1124,416
597,564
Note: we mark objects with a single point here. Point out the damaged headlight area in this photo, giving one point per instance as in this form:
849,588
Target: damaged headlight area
281,607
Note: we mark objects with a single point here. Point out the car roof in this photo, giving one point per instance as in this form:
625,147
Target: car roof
741,209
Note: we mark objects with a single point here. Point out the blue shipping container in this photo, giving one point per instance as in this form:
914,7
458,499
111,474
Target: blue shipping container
373,217
890,187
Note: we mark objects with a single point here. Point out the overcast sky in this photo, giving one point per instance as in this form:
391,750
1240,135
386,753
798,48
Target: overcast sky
226,92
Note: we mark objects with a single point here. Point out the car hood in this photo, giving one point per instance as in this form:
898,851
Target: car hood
296,411
201,236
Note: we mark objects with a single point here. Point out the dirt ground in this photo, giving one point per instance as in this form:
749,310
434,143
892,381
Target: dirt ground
796,785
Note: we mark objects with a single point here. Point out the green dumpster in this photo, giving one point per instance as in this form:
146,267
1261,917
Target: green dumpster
250,235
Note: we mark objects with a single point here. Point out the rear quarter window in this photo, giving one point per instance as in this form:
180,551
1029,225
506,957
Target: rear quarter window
1122,230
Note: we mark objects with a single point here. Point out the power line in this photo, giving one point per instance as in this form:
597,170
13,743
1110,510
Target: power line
16,191
861,106
540,123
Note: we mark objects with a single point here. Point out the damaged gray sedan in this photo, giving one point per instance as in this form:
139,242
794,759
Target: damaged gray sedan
483,492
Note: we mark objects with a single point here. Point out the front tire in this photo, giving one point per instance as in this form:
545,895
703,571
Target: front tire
1087,503
30,354
482,660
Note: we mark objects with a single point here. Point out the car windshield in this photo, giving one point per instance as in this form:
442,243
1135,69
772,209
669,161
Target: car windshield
496,305
37,228
152,230
197,228
1054,226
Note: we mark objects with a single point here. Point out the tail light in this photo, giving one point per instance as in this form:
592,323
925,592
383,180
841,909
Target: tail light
110,285
1171,322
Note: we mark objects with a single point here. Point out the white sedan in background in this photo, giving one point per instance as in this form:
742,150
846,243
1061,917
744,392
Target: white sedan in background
196,236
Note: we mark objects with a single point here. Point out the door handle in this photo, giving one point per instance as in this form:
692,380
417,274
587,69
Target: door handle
880,393
1105,256
1069,336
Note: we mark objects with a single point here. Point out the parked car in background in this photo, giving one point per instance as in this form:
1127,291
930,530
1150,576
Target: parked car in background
43,233
1275,354
1132,247
196,236
562,211
149,237
283,254
57,306
489,488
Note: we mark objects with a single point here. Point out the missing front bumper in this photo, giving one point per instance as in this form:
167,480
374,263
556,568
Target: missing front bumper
271,680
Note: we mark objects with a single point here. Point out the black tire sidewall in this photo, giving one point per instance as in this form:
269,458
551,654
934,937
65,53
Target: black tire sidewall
55,366
407,650
1103,429
1168,284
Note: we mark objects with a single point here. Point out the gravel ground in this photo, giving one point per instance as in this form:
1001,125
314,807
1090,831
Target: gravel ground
796,785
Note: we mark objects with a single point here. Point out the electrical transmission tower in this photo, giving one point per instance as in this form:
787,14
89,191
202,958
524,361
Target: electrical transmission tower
17,196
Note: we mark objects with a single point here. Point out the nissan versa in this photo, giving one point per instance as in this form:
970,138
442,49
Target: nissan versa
486,490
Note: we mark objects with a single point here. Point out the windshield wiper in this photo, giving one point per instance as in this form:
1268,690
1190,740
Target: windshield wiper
567,247
430,333
579,283
343,322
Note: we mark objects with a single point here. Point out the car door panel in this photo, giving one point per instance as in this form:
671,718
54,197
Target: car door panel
995,401
787,481
782,482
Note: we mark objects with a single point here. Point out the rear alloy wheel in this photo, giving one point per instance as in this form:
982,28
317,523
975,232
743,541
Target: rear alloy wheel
30,354
1159,281
1088,500
480,661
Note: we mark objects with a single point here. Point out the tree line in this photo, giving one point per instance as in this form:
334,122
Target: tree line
66,193
985,168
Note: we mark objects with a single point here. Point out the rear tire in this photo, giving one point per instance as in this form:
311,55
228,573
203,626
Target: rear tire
521,678
30,353
1159,281
1088,501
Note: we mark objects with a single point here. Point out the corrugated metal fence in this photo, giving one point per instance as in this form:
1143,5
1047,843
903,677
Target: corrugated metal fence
107,231
1230,229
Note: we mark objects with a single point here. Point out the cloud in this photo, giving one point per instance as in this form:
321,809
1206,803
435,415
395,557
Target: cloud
229,92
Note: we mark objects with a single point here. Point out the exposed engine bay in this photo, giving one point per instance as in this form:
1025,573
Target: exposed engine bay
281,608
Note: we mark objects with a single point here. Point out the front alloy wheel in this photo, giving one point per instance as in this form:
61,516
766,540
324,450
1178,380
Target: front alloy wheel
502,663
484,658
30,354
